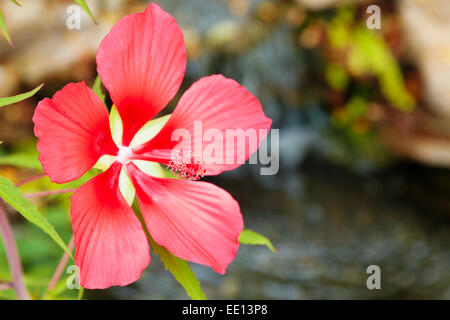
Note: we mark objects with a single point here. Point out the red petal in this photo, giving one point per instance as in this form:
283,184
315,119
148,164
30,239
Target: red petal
73,131
141,62
196,221
219,103
111,246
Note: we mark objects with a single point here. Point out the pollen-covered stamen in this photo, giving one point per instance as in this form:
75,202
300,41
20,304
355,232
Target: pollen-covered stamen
125,155
186,165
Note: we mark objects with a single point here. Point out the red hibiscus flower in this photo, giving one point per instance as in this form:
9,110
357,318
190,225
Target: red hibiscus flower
141,62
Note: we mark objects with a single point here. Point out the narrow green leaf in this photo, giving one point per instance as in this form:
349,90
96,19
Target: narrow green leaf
4,29
180,270
80,293
97,87
15,2
251,237
14,197
20,97
85,7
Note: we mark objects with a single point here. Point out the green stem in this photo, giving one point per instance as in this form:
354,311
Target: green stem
5,285
39,176
48,193
61,265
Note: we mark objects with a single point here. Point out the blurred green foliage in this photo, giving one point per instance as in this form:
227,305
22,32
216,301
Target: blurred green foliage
354,56
40,255
366,53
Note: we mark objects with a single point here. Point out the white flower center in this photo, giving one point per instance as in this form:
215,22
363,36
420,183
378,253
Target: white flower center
124,155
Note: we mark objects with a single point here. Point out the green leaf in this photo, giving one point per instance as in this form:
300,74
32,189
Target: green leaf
15,2
80,293
22,160
14,197
20,97
251,237
97,87
4,29
180,270
85,7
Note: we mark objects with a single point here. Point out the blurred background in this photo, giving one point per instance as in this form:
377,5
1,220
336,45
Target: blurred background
364,119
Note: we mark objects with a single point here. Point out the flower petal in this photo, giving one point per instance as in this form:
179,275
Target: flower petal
220,105
111,246
141,62
195,221
73,132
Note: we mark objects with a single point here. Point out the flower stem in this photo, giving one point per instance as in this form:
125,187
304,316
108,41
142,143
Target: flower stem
47,193
5,285
13,256
39,176
61,265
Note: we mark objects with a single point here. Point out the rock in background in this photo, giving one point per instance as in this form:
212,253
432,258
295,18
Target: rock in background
324,4
427,32
46,48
